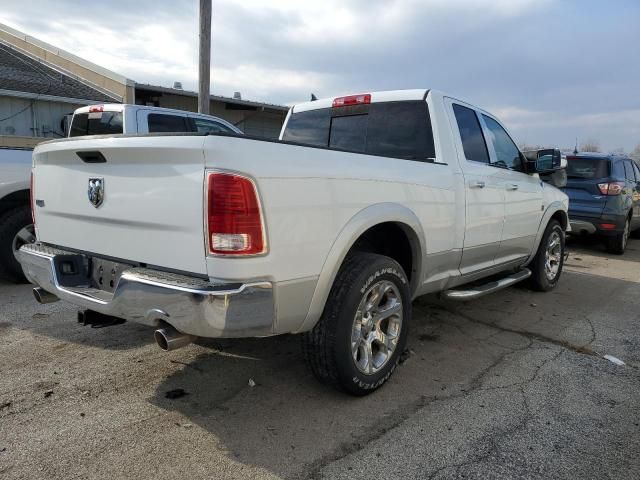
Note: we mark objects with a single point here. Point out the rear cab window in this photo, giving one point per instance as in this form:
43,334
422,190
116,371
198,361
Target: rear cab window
96,123
397,129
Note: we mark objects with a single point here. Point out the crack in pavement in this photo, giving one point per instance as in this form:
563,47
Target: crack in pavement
405,412
398,417
581,349
491,438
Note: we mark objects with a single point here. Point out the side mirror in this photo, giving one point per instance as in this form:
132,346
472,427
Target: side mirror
548,160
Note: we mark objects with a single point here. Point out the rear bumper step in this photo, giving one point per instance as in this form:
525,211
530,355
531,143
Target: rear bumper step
191,305
487,288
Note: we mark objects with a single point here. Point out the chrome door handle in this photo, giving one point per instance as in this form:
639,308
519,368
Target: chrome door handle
478,184
513,186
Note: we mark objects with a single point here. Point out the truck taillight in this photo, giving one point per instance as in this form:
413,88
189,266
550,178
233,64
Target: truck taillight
96,108
234,216
32,199
611,188
362,99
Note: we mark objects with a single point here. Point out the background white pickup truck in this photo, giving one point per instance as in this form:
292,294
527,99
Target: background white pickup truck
15,163
367,202
114,118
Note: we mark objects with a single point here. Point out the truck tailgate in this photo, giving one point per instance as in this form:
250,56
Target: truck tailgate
152,208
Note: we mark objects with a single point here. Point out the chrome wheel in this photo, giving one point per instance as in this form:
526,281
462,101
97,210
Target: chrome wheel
376,327
23,237
553,256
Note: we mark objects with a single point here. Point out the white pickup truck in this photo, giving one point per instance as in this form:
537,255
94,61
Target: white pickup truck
365,203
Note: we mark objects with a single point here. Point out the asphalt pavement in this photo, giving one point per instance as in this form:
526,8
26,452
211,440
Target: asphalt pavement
514,385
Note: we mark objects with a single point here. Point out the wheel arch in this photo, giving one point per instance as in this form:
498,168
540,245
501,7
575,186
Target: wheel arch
13,200
555,211
356,228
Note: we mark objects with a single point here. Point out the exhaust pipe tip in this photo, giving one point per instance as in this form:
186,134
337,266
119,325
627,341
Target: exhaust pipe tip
43,297
168,338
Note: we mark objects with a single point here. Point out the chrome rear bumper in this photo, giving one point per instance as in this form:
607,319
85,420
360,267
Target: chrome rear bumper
191,305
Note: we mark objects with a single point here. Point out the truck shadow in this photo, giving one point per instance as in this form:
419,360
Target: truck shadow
289,424
58,321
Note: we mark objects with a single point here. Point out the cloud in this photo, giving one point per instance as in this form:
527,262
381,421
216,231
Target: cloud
554,62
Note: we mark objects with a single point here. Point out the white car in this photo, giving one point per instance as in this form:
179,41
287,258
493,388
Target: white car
367,202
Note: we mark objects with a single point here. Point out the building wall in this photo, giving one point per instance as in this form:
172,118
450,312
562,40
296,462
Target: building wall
32,118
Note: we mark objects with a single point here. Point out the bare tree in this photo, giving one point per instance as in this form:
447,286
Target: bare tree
635,153
590,145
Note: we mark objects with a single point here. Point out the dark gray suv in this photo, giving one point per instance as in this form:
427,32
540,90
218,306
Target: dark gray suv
604,197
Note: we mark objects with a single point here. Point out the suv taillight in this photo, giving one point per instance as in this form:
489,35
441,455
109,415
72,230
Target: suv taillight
611,188
234,216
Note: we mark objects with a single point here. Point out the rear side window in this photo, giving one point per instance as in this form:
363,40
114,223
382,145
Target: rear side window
588,168
637,171
96,123
159,122
389,129
473,142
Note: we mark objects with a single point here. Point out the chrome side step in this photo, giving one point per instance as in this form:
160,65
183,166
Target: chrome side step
487,288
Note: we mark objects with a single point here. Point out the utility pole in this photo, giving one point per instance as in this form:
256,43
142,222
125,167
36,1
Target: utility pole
204,80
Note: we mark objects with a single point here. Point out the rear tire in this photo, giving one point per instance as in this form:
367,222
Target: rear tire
546,266
356,344
13,223
618,243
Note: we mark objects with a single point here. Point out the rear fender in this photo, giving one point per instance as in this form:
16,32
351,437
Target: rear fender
360,223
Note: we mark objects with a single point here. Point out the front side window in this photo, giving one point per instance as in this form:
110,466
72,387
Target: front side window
637,171
628,169
209,126
507,153
160,122
473,142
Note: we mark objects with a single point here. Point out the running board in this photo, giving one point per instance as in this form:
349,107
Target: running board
487,288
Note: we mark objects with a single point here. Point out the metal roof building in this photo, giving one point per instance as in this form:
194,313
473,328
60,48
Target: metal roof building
41,84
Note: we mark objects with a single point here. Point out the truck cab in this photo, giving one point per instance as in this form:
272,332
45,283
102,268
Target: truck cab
116,118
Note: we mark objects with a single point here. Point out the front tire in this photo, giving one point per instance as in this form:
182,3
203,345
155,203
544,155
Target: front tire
546,266
16,229
356,344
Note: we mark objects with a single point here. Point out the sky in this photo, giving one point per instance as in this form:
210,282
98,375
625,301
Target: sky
551,70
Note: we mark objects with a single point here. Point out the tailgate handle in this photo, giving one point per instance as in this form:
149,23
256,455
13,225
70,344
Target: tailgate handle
92,157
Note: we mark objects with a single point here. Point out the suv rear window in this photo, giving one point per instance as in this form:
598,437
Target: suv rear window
389,129
96,123
587,168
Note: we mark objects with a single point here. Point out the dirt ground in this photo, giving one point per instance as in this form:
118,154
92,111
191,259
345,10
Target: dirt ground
514,385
